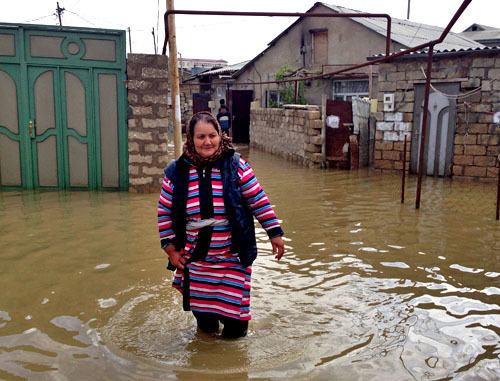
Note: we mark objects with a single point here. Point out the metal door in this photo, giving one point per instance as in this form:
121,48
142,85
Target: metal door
441,121
337,134
200,102
239,107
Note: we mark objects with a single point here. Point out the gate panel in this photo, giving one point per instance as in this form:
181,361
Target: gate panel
108,120
43,130
76,115
7,45
10,149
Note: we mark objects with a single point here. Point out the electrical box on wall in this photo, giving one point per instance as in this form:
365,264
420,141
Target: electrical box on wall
388,102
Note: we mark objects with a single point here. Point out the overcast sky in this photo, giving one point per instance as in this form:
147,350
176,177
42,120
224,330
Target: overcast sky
232,38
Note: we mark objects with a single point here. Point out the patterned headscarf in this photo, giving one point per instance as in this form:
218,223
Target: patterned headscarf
189,148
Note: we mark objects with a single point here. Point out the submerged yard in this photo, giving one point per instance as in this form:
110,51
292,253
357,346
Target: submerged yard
369,288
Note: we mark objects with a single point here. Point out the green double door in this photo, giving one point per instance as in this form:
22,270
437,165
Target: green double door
61,129
62,126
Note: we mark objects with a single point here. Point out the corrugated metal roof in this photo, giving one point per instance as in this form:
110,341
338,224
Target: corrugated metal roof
224,70
483,35
410,33
443,52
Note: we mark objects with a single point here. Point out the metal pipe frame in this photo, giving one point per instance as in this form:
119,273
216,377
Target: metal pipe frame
280,14
386,58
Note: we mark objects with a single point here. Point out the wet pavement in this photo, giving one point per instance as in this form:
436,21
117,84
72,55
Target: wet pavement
369,289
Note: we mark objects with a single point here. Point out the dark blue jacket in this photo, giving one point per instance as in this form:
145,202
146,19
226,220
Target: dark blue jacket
239,215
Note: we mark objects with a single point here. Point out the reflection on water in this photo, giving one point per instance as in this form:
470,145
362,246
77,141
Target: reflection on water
369,288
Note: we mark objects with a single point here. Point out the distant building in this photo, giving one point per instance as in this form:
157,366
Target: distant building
483,34
191,63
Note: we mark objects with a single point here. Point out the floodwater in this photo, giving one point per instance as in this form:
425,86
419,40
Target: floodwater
369,289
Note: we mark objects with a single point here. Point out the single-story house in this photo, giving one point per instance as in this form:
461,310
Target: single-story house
322,45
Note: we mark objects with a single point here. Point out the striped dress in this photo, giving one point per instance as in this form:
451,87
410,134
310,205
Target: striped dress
218,283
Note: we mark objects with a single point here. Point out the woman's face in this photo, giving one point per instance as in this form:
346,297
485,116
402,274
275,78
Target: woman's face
206,139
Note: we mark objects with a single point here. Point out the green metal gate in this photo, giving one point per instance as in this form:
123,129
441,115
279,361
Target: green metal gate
62,108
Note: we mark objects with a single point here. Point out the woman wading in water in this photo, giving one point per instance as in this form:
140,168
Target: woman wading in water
205,217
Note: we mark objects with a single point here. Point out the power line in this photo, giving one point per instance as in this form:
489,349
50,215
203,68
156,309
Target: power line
84,19
40,18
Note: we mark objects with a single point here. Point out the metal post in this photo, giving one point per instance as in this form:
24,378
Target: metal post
129,40
59,13
424,126
323,130
498,189
408,14
174,82
182,69
404,174
296,92
154,40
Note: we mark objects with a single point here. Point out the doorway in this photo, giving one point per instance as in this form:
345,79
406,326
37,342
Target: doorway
238,102
441,121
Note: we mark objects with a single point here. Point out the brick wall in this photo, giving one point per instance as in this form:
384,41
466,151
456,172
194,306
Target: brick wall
294,134
476,140
148,121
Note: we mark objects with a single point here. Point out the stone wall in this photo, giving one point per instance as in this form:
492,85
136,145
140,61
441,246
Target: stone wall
476,140
186,94
293,133
149,116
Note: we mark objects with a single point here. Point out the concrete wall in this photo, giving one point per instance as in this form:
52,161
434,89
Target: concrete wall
148,121
348,43
476,140
294,134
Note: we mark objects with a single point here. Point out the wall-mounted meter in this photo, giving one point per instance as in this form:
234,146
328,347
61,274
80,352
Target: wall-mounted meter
388,102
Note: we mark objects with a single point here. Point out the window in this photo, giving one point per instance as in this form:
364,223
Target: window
273,99
320,47
219,91
345,90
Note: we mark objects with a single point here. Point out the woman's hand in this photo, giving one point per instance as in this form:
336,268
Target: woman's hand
175,257
278,247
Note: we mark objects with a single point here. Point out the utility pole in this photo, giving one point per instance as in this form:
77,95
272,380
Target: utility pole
182,70
154,40
408,13
129,40
174,81
59,11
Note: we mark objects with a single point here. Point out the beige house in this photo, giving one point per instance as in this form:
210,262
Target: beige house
322,45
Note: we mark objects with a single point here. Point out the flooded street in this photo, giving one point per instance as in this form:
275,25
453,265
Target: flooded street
369,289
